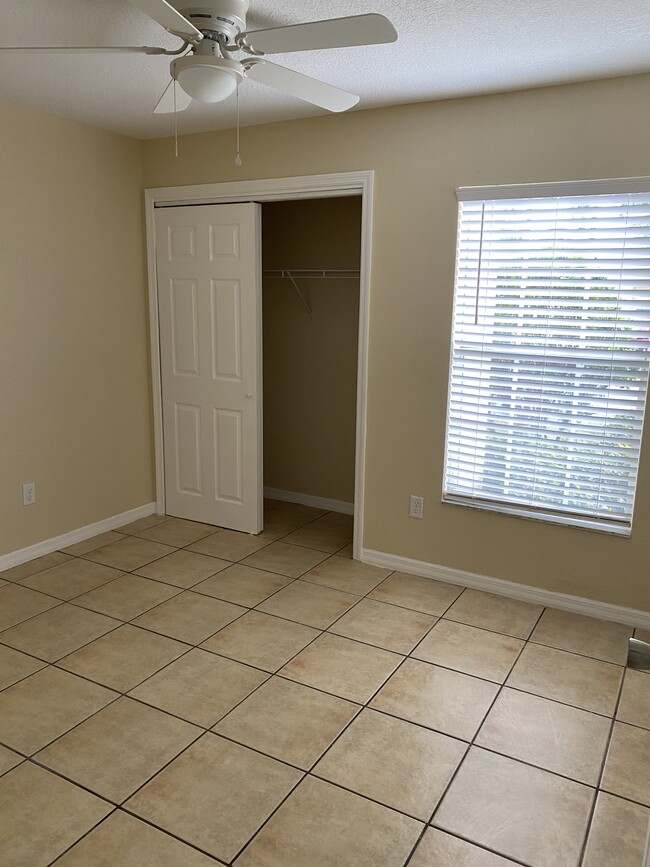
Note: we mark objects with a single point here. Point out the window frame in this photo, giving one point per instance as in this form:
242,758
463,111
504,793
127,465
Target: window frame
538,190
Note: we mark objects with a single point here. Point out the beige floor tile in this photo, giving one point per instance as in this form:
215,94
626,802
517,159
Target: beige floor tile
553,736
634,706
401,765
183,568
261,640
518,811
598,638
16,573
342,667
58,632
8,760
42,815
469,649
177,532
321,825
3,583
229,545
93,754
337,519
292,511
129,553
420,594
386,626
124,841
627,769
190,617
128,596
142,524
586,683
618,833
289,560
498,613
322,537
19,603
309,604
200,687
277,525
242,585
346,552
123,658
71,578
14,666
641,634
45,705
437,849
216,795
435,697
288,721
349,575
81,548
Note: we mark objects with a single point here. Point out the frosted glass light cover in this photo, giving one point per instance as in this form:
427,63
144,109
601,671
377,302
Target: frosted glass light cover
207,83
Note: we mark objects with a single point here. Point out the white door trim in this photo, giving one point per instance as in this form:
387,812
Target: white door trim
270,190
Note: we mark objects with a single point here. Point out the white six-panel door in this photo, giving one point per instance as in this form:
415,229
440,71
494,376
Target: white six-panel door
209,299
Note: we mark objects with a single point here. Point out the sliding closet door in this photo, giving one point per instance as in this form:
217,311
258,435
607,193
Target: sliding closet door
209,300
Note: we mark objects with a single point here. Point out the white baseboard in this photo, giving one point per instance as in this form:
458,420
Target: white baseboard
536,595
308,500
15,558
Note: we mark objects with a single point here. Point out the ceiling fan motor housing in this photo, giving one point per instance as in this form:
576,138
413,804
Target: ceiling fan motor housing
227,17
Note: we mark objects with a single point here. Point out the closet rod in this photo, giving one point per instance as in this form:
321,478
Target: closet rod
318,273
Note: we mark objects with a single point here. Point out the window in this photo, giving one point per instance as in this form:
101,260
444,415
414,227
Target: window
550,351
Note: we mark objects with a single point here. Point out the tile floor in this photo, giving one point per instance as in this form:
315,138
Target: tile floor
175,695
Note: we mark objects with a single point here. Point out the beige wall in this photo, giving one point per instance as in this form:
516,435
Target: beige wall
74,378
420,153
310,365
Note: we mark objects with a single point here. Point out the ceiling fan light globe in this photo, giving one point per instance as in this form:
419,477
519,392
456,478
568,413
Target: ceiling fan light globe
207,79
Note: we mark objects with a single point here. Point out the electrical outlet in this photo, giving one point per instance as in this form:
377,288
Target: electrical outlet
29,494
416,507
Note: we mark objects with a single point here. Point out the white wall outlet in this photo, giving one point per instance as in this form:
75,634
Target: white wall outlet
29,494
416,507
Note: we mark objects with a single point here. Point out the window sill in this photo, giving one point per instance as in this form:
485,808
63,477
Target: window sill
593,524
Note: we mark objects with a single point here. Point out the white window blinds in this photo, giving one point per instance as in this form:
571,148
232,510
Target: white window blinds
550,352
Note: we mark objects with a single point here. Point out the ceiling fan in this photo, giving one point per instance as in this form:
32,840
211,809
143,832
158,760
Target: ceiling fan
214,30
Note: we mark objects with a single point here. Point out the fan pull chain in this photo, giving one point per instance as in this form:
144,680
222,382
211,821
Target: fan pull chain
238,160
175,119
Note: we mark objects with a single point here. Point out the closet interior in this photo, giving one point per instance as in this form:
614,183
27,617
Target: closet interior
310,300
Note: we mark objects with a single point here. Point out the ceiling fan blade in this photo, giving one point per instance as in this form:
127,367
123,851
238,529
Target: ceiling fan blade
303,86
87,49
370,29
172,20
165,104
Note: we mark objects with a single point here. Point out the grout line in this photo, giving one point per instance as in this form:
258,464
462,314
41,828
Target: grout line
601,775
480,846
123,809
89,831
462,761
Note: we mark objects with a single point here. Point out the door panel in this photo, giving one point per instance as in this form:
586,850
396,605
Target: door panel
185,327
209,302
226,329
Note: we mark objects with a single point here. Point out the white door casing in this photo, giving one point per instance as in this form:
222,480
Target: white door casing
268,190
208,261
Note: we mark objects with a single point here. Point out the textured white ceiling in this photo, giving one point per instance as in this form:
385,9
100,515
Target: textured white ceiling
445,48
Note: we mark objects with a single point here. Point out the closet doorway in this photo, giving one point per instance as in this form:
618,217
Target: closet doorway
311,250
356,185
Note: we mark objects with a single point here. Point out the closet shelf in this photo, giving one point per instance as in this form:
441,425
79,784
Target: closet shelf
294,274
